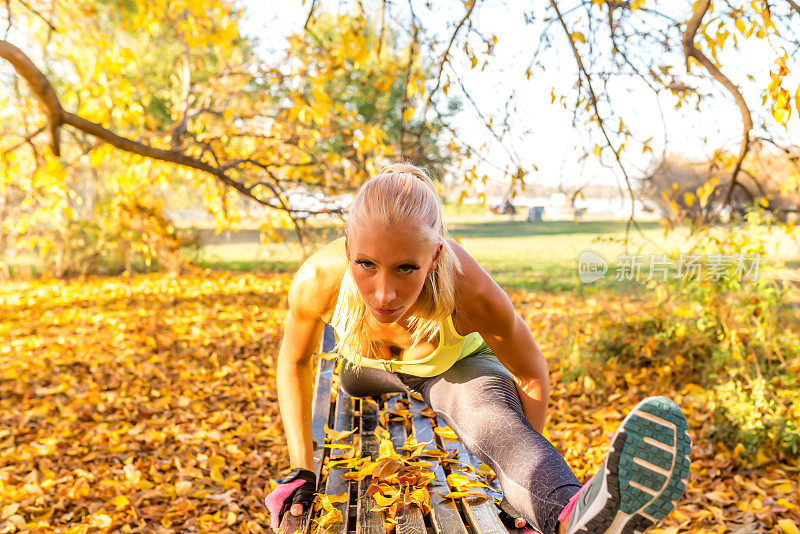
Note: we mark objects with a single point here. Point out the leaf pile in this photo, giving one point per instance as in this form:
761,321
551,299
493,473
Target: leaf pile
140,406
149,405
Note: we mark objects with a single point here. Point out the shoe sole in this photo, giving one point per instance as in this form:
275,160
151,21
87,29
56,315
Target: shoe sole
646,471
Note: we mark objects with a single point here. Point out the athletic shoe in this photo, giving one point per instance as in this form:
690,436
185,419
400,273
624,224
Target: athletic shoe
644,474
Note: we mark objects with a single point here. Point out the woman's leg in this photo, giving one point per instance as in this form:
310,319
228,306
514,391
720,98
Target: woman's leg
477,398
366,381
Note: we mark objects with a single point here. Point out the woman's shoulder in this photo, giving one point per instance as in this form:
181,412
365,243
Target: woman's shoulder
474,287
471,276
315,285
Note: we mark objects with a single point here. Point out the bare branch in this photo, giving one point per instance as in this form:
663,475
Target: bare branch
44,19
310,14
26,139
598,117
691,50
186,88
383,27
10,19
470,7
409,66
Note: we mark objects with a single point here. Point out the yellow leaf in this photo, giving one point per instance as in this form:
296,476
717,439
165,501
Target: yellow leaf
183,488
329,501
121,501
97,156
445,432
797,99
386,500
382,434
578,36
740,25
216,476
386,467
342,446
457,480
337,435
460,494
688,198
101,521
132,474
788,526
408,114
386,449
787,504
333,516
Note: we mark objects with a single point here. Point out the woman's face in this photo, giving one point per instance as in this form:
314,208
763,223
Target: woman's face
389,266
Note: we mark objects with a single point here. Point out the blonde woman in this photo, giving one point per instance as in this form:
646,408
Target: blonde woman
413,311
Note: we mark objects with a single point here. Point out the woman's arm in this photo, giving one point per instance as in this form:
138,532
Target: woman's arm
486,309
302,330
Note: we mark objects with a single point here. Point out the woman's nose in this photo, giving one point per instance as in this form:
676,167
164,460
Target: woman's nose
384,292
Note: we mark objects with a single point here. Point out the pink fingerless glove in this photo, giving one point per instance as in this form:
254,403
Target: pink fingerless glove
298,487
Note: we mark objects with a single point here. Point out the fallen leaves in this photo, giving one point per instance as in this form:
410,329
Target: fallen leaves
151,404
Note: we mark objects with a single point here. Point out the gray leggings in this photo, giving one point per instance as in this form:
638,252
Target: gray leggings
477,398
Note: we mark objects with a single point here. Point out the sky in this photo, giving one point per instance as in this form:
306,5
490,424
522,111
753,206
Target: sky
542,132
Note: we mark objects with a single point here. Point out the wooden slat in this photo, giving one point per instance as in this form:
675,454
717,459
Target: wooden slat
482,517
409,520
495,484
336,485
368,522
444,514
321,409
320,412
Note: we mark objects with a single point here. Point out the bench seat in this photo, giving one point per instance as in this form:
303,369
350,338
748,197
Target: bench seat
433,463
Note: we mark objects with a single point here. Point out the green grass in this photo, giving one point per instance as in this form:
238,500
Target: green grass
519,255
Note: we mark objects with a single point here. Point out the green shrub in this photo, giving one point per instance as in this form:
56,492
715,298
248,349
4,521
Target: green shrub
735,337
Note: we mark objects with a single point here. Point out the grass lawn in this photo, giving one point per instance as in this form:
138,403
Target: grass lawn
519,255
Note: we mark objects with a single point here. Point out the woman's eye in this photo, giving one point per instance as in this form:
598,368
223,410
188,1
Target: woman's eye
408,269
364,263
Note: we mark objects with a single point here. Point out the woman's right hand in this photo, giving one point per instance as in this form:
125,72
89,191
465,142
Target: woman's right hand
294,494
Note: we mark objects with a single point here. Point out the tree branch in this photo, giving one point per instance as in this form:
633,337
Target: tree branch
56,116
470,7
691,50
41,87
583,72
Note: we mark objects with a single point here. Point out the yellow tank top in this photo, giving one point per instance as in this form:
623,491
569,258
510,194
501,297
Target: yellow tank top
452,347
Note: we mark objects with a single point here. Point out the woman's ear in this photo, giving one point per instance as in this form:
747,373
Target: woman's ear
435,260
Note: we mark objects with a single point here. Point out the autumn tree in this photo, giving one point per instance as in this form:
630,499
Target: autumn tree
139,98
98,117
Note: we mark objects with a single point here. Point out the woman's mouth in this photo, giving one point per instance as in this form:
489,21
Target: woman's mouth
385,311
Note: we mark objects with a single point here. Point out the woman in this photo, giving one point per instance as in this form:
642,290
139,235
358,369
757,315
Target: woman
414,312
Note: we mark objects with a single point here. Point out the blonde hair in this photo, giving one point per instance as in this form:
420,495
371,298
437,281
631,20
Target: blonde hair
399,194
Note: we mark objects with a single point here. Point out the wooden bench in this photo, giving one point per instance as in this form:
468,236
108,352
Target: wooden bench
341,412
